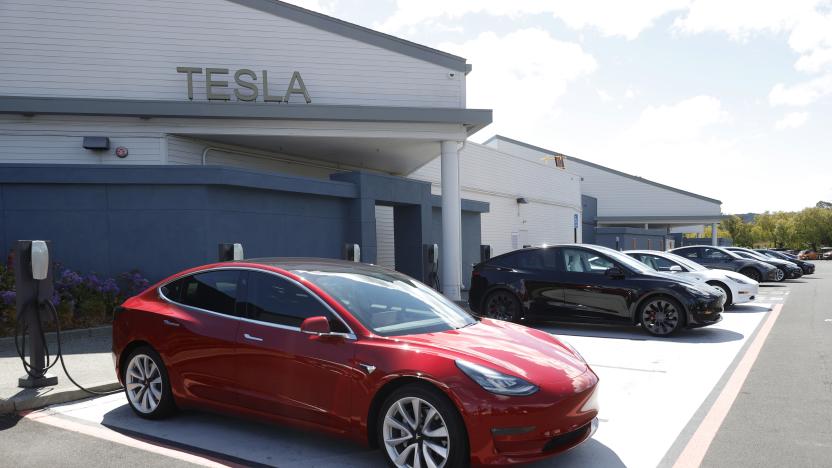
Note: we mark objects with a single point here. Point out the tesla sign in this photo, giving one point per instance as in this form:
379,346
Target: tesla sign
217,85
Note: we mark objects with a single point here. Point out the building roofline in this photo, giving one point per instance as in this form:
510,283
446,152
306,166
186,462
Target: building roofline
604,168
691,219
472,119
356,32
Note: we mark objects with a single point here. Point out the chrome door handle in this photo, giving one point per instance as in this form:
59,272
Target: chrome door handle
170,323
252,338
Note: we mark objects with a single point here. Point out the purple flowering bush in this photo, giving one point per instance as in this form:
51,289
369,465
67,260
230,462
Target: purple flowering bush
80,300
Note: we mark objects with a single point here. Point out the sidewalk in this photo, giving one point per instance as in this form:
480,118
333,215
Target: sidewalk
87,356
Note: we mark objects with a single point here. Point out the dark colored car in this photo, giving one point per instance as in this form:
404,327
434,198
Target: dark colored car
357,351
807,267
722,259
588,283
788,269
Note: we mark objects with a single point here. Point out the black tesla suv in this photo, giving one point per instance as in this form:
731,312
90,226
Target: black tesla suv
589,283
789,270
721,259
808,267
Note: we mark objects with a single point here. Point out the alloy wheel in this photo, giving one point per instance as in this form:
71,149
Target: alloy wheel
779,275
144,383
661,317
502,306
415,434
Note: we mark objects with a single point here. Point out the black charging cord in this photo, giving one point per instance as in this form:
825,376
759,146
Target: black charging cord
22,329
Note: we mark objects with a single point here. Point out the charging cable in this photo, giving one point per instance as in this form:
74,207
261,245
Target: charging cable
20,335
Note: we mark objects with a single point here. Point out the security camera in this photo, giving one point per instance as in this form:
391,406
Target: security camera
451,75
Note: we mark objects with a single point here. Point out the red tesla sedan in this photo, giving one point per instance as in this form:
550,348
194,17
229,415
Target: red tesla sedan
355,350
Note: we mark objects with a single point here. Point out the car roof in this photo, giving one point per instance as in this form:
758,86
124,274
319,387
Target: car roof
316,264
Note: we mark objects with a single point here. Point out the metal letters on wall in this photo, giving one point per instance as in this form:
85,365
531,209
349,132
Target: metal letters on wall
246,80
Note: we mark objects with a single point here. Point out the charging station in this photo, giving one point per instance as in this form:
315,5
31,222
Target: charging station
431,261
352,252
34,286
230,252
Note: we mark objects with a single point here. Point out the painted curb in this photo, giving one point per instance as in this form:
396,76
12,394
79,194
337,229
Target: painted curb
49,397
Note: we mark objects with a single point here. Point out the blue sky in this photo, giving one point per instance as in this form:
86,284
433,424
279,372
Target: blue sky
731,99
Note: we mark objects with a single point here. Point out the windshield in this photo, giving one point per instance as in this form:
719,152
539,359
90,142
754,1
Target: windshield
389,303
690,265
625,259
751,255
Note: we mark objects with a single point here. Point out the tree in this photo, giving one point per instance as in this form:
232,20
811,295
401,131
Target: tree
824,204
739,231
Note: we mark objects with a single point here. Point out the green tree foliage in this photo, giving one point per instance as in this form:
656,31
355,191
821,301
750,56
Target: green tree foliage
810,228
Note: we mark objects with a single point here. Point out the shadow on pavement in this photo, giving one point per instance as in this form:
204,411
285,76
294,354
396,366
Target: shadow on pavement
747,309
762,285
695,335
8,421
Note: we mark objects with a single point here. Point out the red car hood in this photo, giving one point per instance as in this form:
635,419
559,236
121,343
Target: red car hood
514,349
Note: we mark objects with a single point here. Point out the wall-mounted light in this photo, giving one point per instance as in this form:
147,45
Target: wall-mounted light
97,143
522,201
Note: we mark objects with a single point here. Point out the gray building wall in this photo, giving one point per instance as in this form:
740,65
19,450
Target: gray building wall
589,206
624,238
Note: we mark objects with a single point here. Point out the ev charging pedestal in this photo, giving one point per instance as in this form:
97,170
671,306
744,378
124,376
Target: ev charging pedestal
30,292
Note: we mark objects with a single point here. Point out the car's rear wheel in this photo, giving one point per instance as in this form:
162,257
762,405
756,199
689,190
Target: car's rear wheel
419,427
502,305
751,273
729,299
662,316
147,385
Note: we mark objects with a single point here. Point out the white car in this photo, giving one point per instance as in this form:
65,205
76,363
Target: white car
738,288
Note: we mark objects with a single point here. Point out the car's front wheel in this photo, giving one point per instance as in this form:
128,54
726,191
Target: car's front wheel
751,273
662,316
725,290
147,385
779,275
420,427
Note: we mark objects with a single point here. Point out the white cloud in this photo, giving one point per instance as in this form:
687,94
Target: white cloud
603,95
792,120
610,17
679,122
801,94
521,82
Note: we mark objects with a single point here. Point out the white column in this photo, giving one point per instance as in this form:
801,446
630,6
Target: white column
714,234
451,253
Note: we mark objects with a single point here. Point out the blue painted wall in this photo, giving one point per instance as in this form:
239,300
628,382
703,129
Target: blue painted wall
630,238
162,219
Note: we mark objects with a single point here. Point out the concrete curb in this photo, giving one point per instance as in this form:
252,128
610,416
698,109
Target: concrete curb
37,398
69,335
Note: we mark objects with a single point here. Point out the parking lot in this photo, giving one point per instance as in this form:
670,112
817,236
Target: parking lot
655,393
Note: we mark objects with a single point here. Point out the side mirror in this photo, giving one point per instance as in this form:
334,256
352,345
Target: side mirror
614,272
316,326
675,269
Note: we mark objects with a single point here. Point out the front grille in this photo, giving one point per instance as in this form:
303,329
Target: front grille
567,440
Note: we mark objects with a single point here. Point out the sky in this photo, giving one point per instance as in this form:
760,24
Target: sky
731,99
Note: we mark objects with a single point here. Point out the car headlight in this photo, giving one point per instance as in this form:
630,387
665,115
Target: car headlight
740,280
696,291
572,349
496,382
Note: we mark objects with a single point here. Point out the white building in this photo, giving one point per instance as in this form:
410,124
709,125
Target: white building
254,84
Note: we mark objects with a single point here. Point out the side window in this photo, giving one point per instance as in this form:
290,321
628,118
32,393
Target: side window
213,290
523,259
276,300
689,253
583,261
173,289
714,254
661,263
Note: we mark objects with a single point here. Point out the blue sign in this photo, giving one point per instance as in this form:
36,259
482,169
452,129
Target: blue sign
575,220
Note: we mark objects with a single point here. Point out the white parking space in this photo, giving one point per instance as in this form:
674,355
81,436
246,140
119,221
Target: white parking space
650,390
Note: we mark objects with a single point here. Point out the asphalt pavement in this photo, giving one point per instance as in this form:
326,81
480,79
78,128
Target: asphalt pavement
783,414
